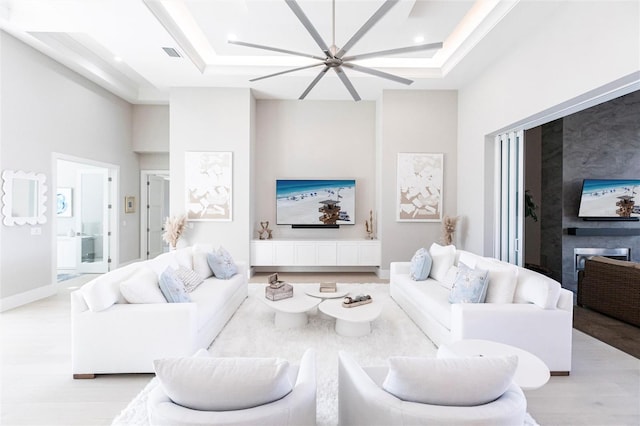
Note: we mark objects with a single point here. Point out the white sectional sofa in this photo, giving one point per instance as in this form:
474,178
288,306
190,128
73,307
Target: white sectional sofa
529,311
109,335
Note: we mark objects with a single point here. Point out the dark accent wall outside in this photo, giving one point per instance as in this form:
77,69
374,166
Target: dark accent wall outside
551,202
601,142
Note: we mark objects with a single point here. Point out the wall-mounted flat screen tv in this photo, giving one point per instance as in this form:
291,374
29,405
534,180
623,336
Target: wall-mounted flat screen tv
315,202
610,199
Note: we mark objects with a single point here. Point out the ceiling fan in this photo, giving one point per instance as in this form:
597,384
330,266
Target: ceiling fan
335,58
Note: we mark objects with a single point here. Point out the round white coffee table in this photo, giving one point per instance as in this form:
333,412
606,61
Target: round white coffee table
291,312
531,373
351,322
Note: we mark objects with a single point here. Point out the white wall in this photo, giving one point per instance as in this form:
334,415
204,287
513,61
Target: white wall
414,121
150,128
47,108
209,119
308,140
582,46
154,161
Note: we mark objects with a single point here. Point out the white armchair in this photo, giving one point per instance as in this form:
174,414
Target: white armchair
363,401
296,408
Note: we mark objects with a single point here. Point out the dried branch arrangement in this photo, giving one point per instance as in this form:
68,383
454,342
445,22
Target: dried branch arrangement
174,227
448,229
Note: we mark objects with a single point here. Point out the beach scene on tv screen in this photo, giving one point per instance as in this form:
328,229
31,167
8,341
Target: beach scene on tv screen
610,198
315,202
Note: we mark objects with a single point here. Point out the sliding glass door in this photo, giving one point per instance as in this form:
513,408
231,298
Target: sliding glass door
509,224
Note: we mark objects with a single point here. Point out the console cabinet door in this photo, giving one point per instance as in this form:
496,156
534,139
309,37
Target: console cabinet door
369,253
284,253
261,253
305,254
327,254
347,253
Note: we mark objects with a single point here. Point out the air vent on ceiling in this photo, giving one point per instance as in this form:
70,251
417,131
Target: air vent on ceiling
171,52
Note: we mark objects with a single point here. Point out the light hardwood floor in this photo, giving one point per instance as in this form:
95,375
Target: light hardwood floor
36,387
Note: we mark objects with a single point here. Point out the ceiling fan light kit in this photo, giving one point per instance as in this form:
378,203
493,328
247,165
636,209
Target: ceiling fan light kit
335,58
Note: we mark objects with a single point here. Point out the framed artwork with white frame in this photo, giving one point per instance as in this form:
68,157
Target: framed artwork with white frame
209,186
419,187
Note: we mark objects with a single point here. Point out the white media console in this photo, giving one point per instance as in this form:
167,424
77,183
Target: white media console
315,253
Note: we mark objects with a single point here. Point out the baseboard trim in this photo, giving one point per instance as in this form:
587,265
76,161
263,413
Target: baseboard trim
27,297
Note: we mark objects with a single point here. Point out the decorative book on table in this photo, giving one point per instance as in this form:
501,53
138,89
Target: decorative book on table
328,288
277,290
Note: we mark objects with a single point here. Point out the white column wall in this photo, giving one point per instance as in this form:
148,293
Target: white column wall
414,121
213,119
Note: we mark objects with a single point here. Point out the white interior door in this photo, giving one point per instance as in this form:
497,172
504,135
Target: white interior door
93,221
510,219
156,212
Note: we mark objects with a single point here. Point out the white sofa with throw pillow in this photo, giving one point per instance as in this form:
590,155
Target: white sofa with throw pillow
454,294
169,306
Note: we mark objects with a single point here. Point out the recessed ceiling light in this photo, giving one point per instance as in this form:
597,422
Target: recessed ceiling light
232,37
418,39
117,58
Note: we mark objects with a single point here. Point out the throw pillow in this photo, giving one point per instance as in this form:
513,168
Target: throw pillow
443,258
470,285
450,278
468,381
222,265
142,287
502,280
223,384
161,262
172,287
420,265
190,279
200,264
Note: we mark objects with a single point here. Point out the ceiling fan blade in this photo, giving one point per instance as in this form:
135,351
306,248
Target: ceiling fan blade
313,83
287,71
386,6
347,83
297,10
397,51
377,73
275,49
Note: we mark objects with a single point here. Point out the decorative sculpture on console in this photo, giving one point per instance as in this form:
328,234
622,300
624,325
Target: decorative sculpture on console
368,225
264,233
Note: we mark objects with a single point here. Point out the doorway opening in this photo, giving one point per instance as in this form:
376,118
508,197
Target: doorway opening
85,222
154,202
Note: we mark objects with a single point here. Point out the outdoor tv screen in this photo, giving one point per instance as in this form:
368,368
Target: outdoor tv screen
610,198
315,201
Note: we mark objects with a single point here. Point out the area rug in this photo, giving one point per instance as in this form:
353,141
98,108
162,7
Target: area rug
251,332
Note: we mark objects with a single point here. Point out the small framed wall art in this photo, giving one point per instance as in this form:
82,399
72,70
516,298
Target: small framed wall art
419,187
130,204
64,202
